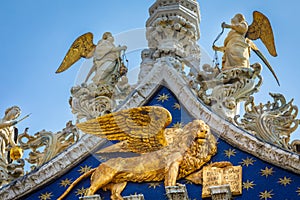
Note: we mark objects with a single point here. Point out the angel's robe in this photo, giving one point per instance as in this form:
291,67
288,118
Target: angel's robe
6,138
237,50
105,60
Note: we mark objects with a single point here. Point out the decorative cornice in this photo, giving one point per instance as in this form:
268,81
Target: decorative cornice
52,169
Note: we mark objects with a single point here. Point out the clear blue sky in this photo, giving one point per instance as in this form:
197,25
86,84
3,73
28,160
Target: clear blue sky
35,35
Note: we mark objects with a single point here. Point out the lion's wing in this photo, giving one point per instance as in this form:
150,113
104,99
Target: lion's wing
142,127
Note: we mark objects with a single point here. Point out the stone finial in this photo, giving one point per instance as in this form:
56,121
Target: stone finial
177,192
134,197
221,192
92,197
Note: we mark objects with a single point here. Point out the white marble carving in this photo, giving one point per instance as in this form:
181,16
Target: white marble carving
223,90
9,170
177,192
273,122
44,145
173,31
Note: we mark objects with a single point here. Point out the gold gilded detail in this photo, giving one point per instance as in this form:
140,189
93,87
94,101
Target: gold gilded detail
285,181
65,182
215,176
267,172
142,128
81,192
261,29
229,152
266,195
163,97
82,47
154,185
247,162
16,153
248,185
84,169
46,196
165,154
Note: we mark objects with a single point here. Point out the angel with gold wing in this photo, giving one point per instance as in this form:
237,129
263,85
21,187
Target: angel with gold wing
162,153
238,43
106,56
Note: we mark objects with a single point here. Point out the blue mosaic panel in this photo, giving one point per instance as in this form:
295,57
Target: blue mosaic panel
260,179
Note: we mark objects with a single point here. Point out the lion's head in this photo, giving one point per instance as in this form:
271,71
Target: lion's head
201,146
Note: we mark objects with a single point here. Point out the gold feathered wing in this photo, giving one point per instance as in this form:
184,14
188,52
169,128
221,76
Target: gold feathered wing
261,29
142,128
82,47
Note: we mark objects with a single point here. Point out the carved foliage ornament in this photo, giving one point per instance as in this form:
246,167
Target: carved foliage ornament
273,122
44,145
224,90
175,36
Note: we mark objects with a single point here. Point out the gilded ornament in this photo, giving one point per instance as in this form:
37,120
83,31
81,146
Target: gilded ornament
16,153
177,106
230,152
82,47
154,185
248,185
267,172
178,125
163,97
224,89
247,162
81,192
162,154
265,195
84,169
46,196
65,182
285,181
217,176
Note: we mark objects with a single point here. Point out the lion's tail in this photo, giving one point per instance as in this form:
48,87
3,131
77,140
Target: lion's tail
85,175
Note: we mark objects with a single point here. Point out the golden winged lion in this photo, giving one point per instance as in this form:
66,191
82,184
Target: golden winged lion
163,153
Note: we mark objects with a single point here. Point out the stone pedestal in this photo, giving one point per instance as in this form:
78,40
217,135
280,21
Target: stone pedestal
92,197
221,192
134,197
177,192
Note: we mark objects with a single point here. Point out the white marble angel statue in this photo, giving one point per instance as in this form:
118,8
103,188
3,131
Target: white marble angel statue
7,133
107,60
